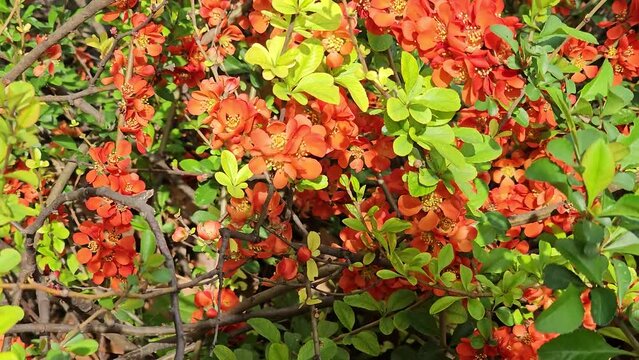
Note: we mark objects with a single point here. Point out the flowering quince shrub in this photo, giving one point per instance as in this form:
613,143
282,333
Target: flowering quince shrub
319,179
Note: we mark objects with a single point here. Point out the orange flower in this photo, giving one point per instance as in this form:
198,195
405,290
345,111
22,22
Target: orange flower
109,159
207,99
233,118
286,269
149,38
284,148
121,7
115,214
214,11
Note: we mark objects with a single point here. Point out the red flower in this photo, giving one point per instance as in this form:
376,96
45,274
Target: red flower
286,269
109,159
149,38
214,11
284,148
207,99
121,7
112,212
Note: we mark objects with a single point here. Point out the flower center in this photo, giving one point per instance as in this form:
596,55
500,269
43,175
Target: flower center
431,202
474,38
142,40
446,224
232,121
278,141
357,152
398,6
333,43
579,62
210,104
93,246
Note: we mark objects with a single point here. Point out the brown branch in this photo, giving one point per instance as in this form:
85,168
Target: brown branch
65,293
389,197
71,24
534,216
80,94
314,331
197,329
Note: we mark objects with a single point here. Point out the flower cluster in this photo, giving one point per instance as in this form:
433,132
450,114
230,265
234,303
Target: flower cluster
108,246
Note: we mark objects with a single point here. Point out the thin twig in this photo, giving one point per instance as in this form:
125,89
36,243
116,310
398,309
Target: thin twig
80,94
71,24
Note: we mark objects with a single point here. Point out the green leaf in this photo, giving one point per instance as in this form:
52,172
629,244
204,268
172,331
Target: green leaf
443,303
604,305
366,342
311,270
600,85
9,316
191,165
476,309
311,53
402,146
19,94
505,316
396,109
623,277
445,257
400,299
82,347
328,349
395,225
229,164
441,99
498,261
465,275
562,149
409,69
626,206
505,34
265,328
257,54
387,274
27,176
28,116
564,315
599,165
351,79
287,7
379,43
320,86
224,353
313,240
554,26
9,259
579,345
363,301
277,351
591,266
558,277
625,243
545,170
344,313
205,194
147,244
327,16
